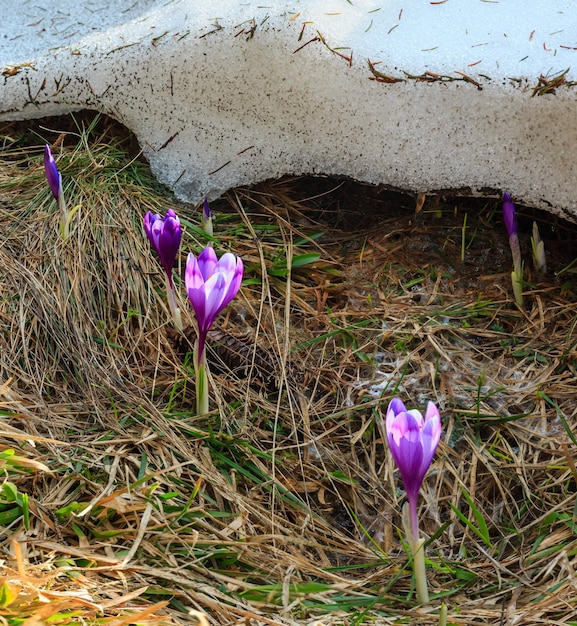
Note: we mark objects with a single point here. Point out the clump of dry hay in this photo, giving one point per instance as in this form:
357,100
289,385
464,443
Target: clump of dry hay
281,506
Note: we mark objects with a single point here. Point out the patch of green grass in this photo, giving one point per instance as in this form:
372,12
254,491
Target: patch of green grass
478,526
14,505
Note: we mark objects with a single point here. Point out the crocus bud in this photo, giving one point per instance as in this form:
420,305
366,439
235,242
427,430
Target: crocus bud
509,215
510,219
54,179
206,221
52,174
164,234
539,258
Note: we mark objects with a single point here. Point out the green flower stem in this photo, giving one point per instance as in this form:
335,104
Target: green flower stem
419,571
175,311
410,525
201,381
517,282
517,273
67,220
64,221
515,252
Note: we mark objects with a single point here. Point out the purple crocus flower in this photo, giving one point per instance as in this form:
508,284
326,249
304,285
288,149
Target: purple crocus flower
509,215
52,174
412,441
211,283
164,234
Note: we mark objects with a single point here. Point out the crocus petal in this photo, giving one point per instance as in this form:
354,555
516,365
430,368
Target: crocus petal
193,278
149,219
433,423
396,407
232,267
214,290
206,301
207,262
410,461
198,301
52,174
226,264
236,281
169,240
156,230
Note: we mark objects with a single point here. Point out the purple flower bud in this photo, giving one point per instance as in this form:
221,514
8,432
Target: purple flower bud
509,215
211,284
164,234
206,220
206,209
510,219
412,441
52,174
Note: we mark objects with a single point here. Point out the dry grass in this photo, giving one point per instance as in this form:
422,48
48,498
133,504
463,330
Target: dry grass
281,506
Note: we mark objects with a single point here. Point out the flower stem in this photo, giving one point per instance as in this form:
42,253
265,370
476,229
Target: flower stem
420,573
201,381
515,252
172,302
517,273
411,527
64,222
517,282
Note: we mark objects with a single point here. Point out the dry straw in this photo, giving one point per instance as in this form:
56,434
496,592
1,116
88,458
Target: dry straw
281,506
